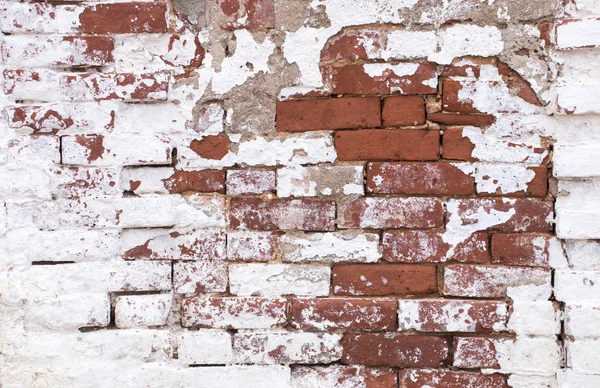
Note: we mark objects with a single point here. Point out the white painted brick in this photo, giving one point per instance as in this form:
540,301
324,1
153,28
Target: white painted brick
136,375
21,183
72,182
577,214
90,277
583,254
568,378
583,7
199,276
287,348
26,150
536,318
578,99
482,41
250,181
234,312
535,356
101,345
279,279
317,148
578,33
525,381
51,50
576,286
581,319
62,245
70,311
153,52
97,150
251,246
205,347
577,161
172,244
142,310
333,247
336,376
32,85
67,118
582,355
299,181
146,180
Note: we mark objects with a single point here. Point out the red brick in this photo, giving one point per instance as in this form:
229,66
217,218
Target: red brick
476,352
124,18
521,249
394,350
343,314
455,146
213,147
450,99
403,111
490,281
473,316
418,178
352,45
248,14
343,376
123,86
388,144
427,246
330,113
204,181
446,118
356,79
383,212
530,215
419,378
233,313
284,214
384,279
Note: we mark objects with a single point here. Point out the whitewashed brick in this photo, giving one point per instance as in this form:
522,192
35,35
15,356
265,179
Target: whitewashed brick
32,85
97,150
70,311
578,99
199,276
330,247
581,319
251,246
577,161
172,244
234,312
51,50
101,345
279,279
578,33
338,376
287,348
142,310
90,277
568,378
62,245
536,318
205,347
577,214
250,181
576,286
299,181
583,254
535,356
582,355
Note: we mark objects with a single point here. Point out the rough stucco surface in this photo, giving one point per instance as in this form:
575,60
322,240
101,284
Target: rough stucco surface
297,193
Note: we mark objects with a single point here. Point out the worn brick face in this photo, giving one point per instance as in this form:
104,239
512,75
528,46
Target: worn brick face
300,194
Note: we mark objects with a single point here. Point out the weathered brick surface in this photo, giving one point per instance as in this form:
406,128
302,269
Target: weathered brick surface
336,194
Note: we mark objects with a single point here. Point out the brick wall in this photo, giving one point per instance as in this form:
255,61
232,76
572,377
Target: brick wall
294,194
